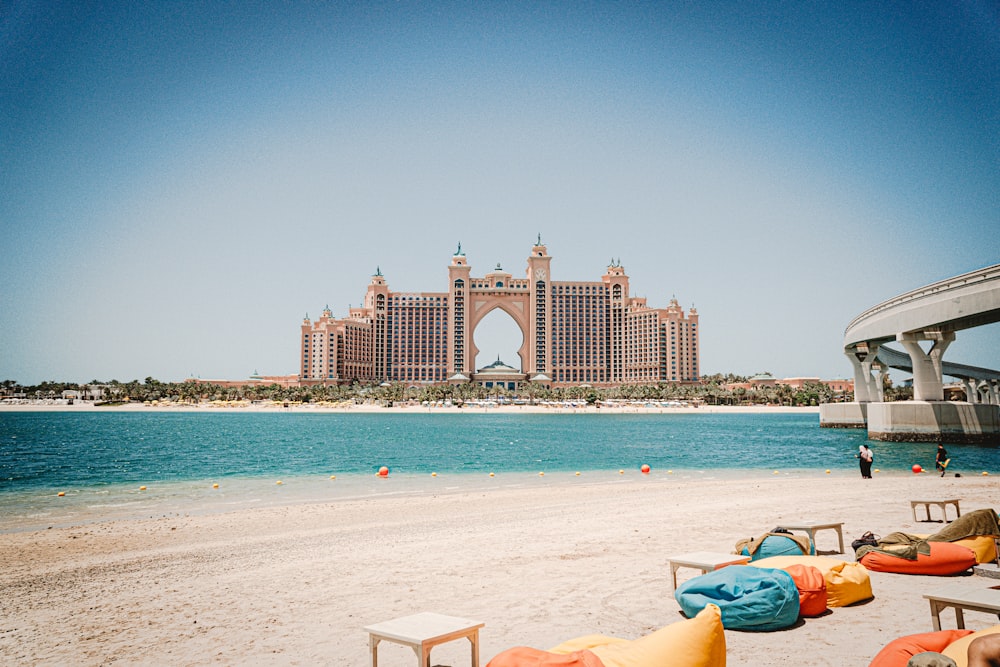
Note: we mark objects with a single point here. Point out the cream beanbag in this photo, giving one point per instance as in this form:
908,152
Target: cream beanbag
846,583
959,650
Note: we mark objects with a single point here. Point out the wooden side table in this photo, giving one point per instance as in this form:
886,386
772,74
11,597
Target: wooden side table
943,504
422,632
706,561
963,596
810,527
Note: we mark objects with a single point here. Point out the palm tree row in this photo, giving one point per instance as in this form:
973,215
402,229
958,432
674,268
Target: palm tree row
712,390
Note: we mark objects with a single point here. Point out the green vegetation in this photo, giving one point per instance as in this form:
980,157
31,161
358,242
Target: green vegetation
712,390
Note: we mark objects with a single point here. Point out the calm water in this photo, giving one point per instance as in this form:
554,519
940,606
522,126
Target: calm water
99,460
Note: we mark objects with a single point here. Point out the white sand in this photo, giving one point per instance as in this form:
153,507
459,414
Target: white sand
539,565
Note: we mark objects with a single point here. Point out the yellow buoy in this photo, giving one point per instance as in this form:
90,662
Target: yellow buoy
985,474
827,471
333,477
577,473
541,474
278,482
876,470
621,472
492,474
670,472
63,493
215,486
434,474
142,488
775,472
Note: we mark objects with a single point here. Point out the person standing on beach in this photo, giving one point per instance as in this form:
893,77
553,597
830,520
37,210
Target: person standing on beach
865,457
941,459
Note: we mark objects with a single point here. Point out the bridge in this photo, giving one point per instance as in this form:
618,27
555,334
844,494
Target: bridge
932,315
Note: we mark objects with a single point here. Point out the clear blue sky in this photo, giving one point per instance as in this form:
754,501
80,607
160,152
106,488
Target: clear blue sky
180,183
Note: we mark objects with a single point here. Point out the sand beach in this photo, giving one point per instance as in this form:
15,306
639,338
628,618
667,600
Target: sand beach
540,562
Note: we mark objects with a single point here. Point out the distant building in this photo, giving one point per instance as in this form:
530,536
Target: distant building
253,380
574,332
767,380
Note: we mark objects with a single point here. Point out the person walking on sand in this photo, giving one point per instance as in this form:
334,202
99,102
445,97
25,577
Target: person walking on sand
941,459
865,458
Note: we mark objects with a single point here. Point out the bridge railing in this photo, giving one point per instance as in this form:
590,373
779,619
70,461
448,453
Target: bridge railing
987,274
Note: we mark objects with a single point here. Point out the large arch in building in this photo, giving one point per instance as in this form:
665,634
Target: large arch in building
515,305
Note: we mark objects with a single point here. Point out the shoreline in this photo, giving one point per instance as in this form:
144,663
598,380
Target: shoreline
405,409
297,583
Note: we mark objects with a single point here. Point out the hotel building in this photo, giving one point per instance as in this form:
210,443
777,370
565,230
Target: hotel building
574,332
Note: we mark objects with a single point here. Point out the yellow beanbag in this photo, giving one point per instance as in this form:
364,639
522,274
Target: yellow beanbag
846,583
958,651
983,546
696,642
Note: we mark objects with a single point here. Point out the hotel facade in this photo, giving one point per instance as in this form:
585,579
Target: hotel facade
574,332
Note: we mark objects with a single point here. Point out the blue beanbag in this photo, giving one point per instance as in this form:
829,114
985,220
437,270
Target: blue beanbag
776,545
751,598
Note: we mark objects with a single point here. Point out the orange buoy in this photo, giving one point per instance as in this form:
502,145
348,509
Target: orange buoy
916,469
383,471
63,493
645,468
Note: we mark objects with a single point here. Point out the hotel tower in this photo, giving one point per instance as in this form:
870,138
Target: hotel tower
575,332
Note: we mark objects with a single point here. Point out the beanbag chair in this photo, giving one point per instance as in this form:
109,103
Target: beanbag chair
812,589
945,558
899,651
750,598
773,544
982,545
523,656
696,642
959,649
846,583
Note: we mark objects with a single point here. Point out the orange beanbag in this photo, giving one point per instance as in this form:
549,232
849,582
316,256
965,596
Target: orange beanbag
812,589
523,656
945,558
899,651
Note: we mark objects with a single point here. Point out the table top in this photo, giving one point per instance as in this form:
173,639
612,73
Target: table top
707,558
806,524
965,593
950,500
422,627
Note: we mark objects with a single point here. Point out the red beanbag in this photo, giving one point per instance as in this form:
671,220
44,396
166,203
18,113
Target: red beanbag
899,651
945,558
812,589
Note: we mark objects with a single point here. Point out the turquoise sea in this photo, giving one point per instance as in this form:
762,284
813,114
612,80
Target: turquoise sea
99,460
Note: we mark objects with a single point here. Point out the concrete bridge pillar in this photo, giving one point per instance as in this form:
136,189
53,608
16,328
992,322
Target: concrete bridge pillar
971,388
988,392
879,389
928,384
866,387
